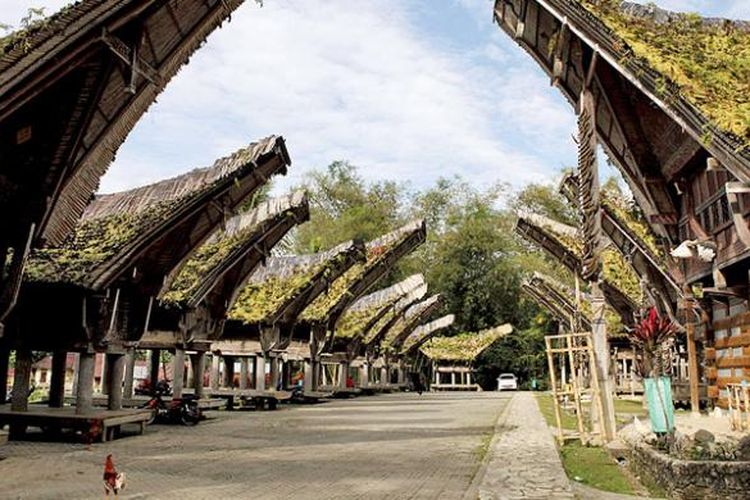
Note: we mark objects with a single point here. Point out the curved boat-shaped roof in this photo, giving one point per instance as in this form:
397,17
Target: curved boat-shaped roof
247,240
670,89
73,86
412,317
145,233
366,311
382,255
465,347
278,291
425,332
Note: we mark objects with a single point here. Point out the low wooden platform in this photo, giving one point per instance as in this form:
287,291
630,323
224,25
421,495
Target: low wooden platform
100,424
138,402
260,400
3,437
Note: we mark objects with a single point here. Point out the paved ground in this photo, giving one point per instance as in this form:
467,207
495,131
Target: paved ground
390,446
523,461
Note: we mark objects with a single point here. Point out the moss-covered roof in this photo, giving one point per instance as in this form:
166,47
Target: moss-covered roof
377,251
225,246
281,279
114,223
405,323
360,316
707,62
615,269
424,332
393,313
465,347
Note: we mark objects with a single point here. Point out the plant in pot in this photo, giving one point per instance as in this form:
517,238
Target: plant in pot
652,336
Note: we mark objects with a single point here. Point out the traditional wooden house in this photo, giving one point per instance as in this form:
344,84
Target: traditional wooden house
665,94
99,287
425,332
361,317
72,86
400,329
269,305
191,314
620,285
559,301
318,321
452,357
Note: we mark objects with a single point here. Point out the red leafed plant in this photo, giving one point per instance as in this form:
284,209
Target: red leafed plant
651,335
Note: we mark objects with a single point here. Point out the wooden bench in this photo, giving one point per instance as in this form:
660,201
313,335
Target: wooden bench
99,424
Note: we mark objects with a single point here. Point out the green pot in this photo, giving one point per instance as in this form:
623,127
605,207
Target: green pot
660,408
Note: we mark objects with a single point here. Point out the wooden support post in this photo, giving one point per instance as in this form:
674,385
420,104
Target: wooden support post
344,373
260,372
198,361
600,345
228,372
178,373
104,379
213,378
127,390
21,381
153,374
85,384
116,368
693,376
57,379
274,372
308,383
243,373
364,375
4,362
553,387
384,375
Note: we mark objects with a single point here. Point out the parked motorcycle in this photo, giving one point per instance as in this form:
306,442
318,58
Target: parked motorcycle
184,411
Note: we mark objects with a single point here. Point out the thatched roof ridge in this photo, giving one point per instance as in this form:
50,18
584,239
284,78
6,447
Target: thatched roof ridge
272,289
121,227
562,298
425,332
377,331
174,37
366,311
382,253
465,347
620,285
135,200
224,248
410,319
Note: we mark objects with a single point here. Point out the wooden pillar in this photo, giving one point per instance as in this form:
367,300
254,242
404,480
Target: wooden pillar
213,378
228,372
57,379
308,383
85,384
274,372
127,390
343,373
260,372
116,369
243,373
600,346
153,373
693,376
453,378
384,375
364,376
4,361
198,360
178,373
21,380
104,380
189,372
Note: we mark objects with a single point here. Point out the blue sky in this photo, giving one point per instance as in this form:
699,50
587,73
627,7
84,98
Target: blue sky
408,90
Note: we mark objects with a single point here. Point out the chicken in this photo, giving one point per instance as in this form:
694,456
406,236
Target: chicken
113,481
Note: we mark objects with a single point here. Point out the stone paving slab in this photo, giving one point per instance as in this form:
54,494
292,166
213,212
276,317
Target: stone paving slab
390,447
524,462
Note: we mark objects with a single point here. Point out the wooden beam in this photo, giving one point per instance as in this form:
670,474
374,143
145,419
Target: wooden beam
132,59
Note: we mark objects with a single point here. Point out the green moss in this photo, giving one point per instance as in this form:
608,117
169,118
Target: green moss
464,347
640,229
92,243
709,65
259,301
353,323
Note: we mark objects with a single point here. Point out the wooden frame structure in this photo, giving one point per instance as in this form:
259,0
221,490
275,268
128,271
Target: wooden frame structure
98,66
688,168
571,347
101,285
